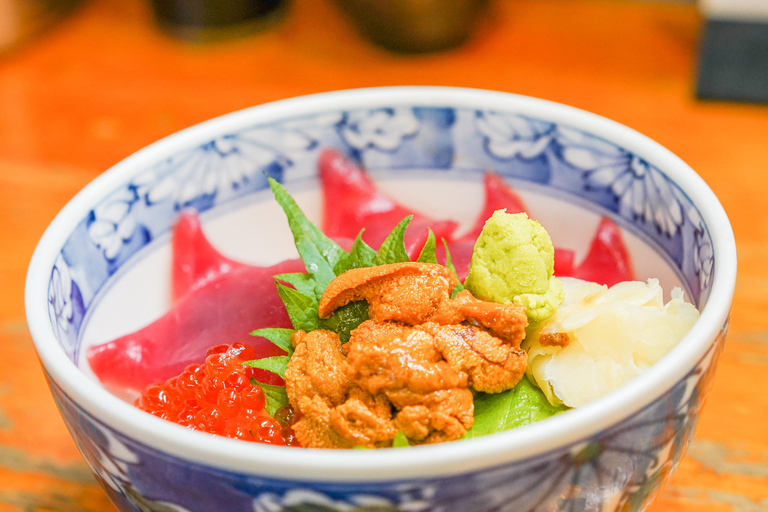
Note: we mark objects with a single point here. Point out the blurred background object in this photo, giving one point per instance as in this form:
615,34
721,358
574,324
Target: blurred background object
733,59
20,19
210,20
415,26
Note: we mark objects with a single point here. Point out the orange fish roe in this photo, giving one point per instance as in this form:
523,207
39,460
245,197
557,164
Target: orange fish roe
217,397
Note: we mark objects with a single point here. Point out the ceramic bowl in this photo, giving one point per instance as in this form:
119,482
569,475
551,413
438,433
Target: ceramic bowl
100,268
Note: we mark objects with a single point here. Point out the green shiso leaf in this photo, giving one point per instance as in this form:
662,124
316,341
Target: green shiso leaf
392,249
318,252
427,254
400,441
361,255
274,364
279,337
345,319
302,281
301,309
276,396
521,405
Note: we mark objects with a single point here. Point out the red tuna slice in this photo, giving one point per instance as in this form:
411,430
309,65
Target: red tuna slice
498,195
564,259
195,261
224,310
351,202
608,260
416,237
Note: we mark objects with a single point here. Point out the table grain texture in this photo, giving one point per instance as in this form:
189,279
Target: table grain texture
105,82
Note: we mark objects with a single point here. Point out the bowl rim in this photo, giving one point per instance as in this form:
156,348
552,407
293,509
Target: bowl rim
383,465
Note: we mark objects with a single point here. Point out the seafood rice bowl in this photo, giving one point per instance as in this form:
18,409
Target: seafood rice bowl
392,299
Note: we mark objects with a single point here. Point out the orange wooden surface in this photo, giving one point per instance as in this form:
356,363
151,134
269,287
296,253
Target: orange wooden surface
105,82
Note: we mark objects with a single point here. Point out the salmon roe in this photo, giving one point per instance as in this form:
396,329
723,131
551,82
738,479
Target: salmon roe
217,397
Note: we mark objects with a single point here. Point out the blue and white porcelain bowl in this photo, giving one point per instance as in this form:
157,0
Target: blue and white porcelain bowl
101,270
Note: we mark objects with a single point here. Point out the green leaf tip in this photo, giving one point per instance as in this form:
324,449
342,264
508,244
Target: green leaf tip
392,249
361,255
279,337
301,309
318,252
449,264
302,281
400,440
275,397
274,364
428,252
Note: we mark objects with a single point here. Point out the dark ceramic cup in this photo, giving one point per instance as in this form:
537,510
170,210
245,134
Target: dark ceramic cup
415,26
206,20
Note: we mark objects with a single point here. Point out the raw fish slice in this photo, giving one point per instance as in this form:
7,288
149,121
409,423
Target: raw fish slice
564,259
195,261
224,310
608,261
352,202
498,195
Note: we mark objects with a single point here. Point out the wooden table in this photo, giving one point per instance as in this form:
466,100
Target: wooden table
105,82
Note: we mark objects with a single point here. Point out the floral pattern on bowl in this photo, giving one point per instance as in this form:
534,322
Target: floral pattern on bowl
384,140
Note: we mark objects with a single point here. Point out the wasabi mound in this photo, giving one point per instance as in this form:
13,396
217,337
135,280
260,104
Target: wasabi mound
514,261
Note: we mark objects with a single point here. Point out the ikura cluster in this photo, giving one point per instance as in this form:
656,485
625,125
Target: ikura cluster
217,397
